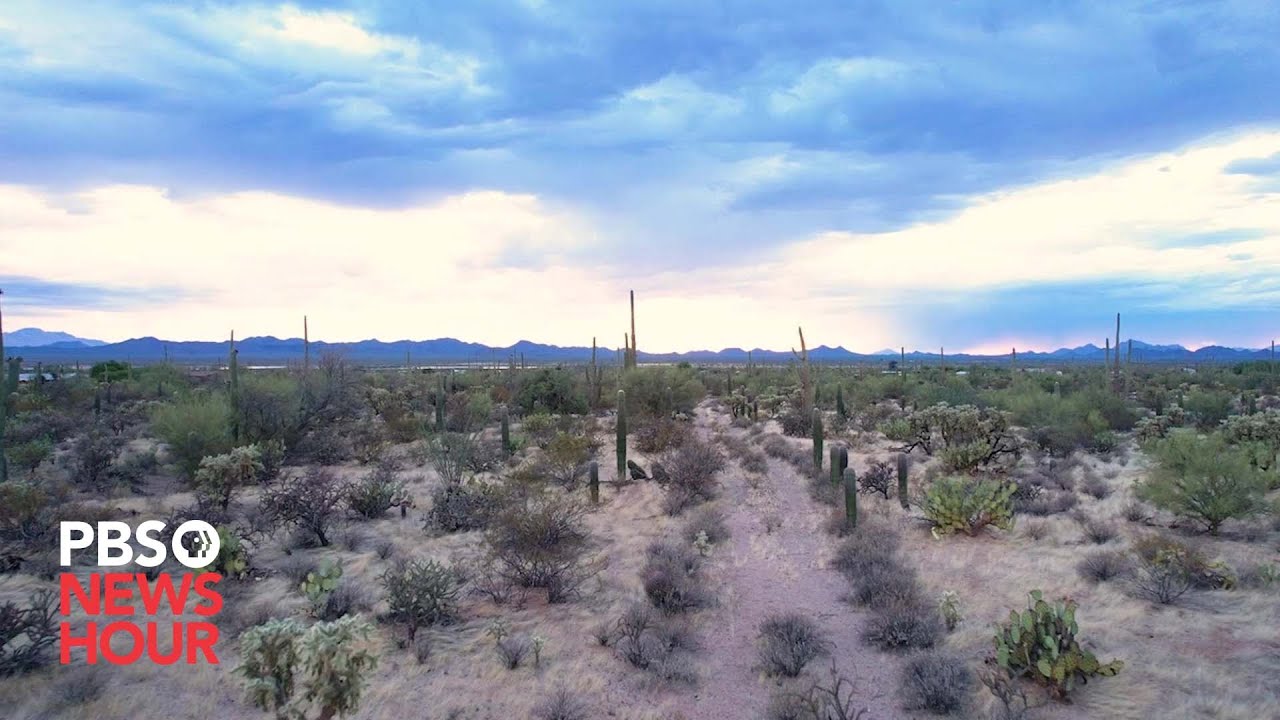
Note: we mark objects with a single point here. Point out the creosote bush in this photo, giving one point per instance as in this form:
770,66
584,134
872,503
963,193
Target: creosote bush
561,704
194,428
542,542
672,578
692,469
462,507
787,642
940,684
376,493
1103,565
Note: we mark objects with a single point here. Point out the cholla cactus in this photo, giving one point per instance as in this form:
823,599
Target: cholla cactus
949,607
702,543
297,671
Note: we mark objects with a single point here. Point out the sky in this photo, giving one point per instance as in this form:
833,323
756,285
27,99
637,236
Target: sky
968,175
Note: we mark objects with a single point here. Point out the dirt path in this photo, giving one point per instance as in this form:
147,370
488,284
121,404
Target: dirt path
761,572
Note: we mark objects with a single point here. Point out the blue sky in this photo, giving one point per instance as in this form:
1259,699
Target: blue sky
884,173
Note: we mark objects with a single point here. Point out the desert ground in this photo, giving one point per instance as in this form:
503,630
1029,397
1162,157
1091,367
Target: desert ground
655,606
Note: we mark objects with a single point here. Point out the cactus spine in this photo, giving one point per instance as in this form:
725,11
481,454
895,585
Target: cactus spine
851,499
902,480
621,443
817,439
593,481
233,363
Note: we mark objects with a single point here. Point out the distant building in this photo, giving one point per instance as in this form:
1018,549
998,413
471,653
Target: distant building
30,377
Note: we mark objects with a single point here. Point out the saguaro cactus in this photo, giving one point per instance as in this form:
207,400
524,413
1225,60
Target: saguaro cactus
4,403
233,363
805,382
440,393
839,461
506,432
817,439
841,410
902,480
851,498
622,433
593,481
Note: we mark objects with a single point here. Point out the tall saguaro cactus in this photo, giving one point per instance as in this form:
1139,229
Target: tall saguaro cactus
635,351
621,441
306,346
440,395
839,461
805,381
593,481
902,480
850,499
5,391
233,366
817,439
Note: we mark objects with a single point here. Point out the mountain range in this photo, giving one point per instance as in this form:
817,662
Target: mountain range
35,345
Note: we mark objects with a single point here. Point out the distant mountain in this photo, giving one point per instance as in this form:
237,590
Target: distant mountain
35,337
53,347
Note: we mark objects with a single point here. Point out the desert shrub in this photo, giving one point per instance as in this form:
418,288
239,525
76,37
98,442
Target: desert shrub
880,478
692,470
1048,503
949,609
296,671
93,459
28,632
561,704
566,458
450,455
461,507
671,578
660,391
269,405
968,437
346,599
884,584
1097,488
1204,480
796,424
959,504
940,684
660,434
787,642
309,502
467,411
1042,643
1037,529
904,625
830,700
376,493
650,644
1098,532
1135,511
1167,568
776,446
1103,565
512,650
1207,408
194,428
865,550
1260,576
220,476
27,456
551,390
543,542
708,521
420,593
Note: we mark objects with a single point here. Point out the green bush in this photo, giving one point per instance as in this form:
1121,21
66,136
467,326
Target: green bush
193,428
1208,407
1042,643
219,476
959,504
551,390
270,408
658,391
1204,479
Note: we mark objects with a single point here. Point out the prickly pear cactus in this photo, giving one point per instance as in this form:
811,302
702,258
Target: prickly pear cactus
233,556
320,582
1041,643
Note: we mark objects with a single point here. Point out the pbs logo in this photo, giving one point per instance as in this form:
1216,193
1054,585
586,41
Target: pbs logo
195,543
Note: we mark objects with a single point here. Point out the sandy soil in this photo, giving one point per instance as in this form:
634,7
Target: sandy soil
761,573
